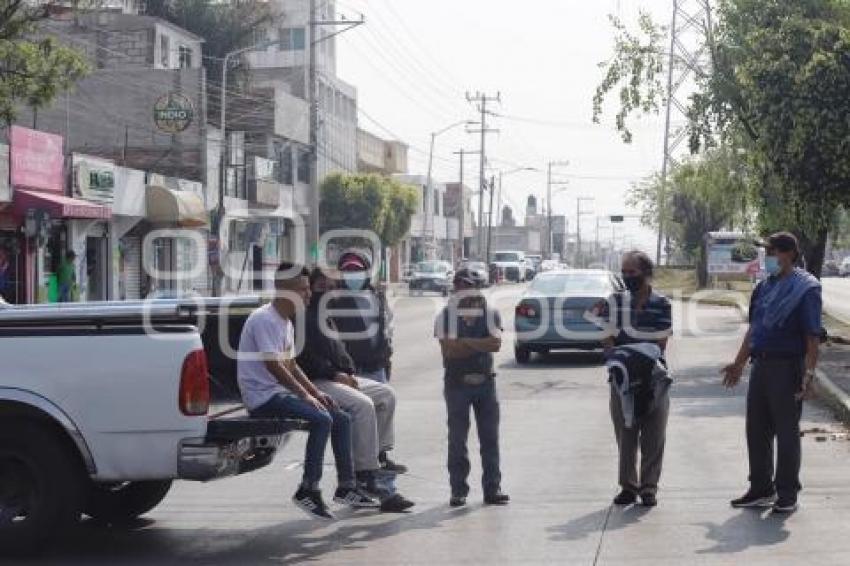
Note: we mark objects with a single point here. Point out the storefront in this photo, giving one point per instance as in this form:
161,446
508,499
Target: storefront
174,238
44,224
113,251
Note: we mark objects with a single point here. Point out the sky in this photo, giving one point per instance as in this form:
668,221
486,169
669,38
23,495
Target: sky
415,60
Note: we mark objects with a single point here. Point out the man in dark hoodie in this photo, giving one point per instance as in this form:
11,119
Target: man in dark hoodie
370,404
365,327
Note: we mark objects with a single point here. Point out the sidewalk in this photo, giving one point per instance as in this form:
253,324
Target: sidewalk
833,379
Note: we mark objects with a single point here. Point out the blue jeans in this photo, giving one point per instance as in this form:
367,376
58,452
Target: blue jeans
482,399
322,424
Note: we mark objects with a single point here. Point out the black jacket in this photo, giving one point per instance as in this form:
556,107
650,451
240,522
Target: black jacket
322,356
369,354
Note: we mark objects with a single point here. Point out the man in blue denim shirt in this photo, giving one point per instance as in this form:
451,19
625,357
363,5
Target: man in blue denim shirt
782,342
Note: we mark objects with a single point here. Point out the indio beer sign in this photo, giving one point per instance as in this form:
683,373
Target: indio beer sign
173,113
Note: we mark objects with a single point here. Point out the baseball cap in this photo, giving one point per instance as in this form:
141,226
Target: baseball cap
353,261
464,276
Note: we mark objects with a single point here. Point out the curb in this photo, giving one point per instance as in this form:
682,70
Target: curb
832,395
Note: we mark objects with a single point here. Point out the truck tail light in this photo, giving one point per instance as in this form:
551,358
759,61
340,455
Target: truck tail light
195,385
526,311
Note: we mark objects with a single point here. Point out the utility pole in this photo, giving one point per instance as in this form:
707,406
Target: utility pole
482,99
579,214
312,87
549,184
462,204
490,221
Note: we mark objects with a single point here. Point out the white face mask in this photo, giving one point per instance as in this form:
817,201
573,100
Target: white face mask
354,280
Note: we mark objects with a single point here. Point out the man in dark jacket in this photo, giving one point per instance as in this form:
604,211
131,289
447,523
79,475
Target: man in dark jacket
365,328
370,404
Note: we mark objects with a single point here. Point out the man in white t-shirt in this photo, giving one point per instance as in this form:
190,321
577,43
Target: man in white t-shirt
273,386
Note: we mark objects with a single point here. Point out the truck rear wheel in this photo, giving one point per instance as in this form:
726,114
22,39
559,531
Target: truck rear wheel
41,485
124,501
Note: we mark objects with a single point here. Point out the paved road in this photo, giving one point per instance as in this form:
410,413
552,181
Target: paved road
836,297
559,467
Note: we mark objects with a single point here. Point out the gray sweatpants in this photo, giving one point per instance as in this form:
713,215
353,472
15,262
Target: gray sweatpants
372,412
649,436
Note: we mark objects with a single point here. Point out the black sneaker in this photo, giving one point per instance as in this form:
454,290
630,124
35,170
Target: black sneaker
396,503
497,498
625,497
457,501
785,505
753,499
310,501
354,497
648,499
389,466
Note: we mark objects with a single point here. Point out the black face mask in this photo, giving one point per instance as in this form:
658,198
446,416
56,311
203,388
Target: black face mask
633,282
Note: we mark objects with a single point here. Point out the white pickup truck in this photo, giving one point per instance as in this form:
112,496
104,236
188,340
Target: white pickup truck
102,405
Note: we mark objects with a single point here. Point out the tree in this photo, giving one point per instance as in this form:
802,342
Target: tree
368,202
703,195
33,69
779,76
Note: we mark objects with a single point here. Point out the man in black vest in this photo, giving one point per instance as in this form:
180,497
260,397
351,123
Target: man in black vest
469,333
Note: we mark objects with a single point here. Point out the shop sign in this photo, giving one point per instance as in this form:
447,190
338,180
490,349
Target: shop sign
173,113
94,181
36,160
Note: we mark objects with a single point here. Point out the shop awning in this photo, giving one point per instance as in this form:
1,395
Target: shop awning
58,206
168,206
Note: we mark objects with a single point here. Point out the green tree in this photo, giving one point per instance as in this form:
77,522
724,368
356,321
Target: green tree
779,76
367,202
704,194
33,69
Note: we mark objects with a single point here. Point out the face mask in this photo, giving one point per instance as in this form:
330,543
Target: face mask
355,281
633,282
771,265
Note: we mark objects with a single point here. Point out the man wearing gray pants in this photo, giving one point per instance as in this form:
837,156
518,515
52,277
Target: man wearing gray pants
649,438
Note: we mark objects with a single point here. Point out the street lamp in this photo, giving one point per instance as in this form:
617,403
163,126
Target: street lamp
429,194
223,152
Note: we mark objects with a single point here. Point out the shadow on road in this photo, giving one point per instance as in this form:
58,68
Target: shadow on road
749,528
608,519
283,543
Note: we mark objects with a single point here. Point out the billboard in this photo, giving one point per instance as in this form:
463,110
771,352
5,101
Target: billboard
36,160
732,254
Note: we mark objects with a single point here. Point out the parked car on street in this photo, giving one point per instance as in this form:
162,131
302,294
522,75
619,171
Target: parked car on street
104,405
831,268
512,264
551,313
435,276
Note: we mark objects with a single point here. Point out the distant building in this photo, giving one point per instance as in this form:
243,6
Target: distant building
377,155
442,233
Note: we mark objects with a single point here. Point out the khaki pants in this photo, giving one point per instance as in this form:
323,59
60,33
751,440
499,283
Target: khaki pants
648,436
372,412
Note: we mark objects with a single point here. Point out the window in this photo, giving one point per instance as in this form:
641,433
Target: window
185,57
303,166
164,51
283,163
291,39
